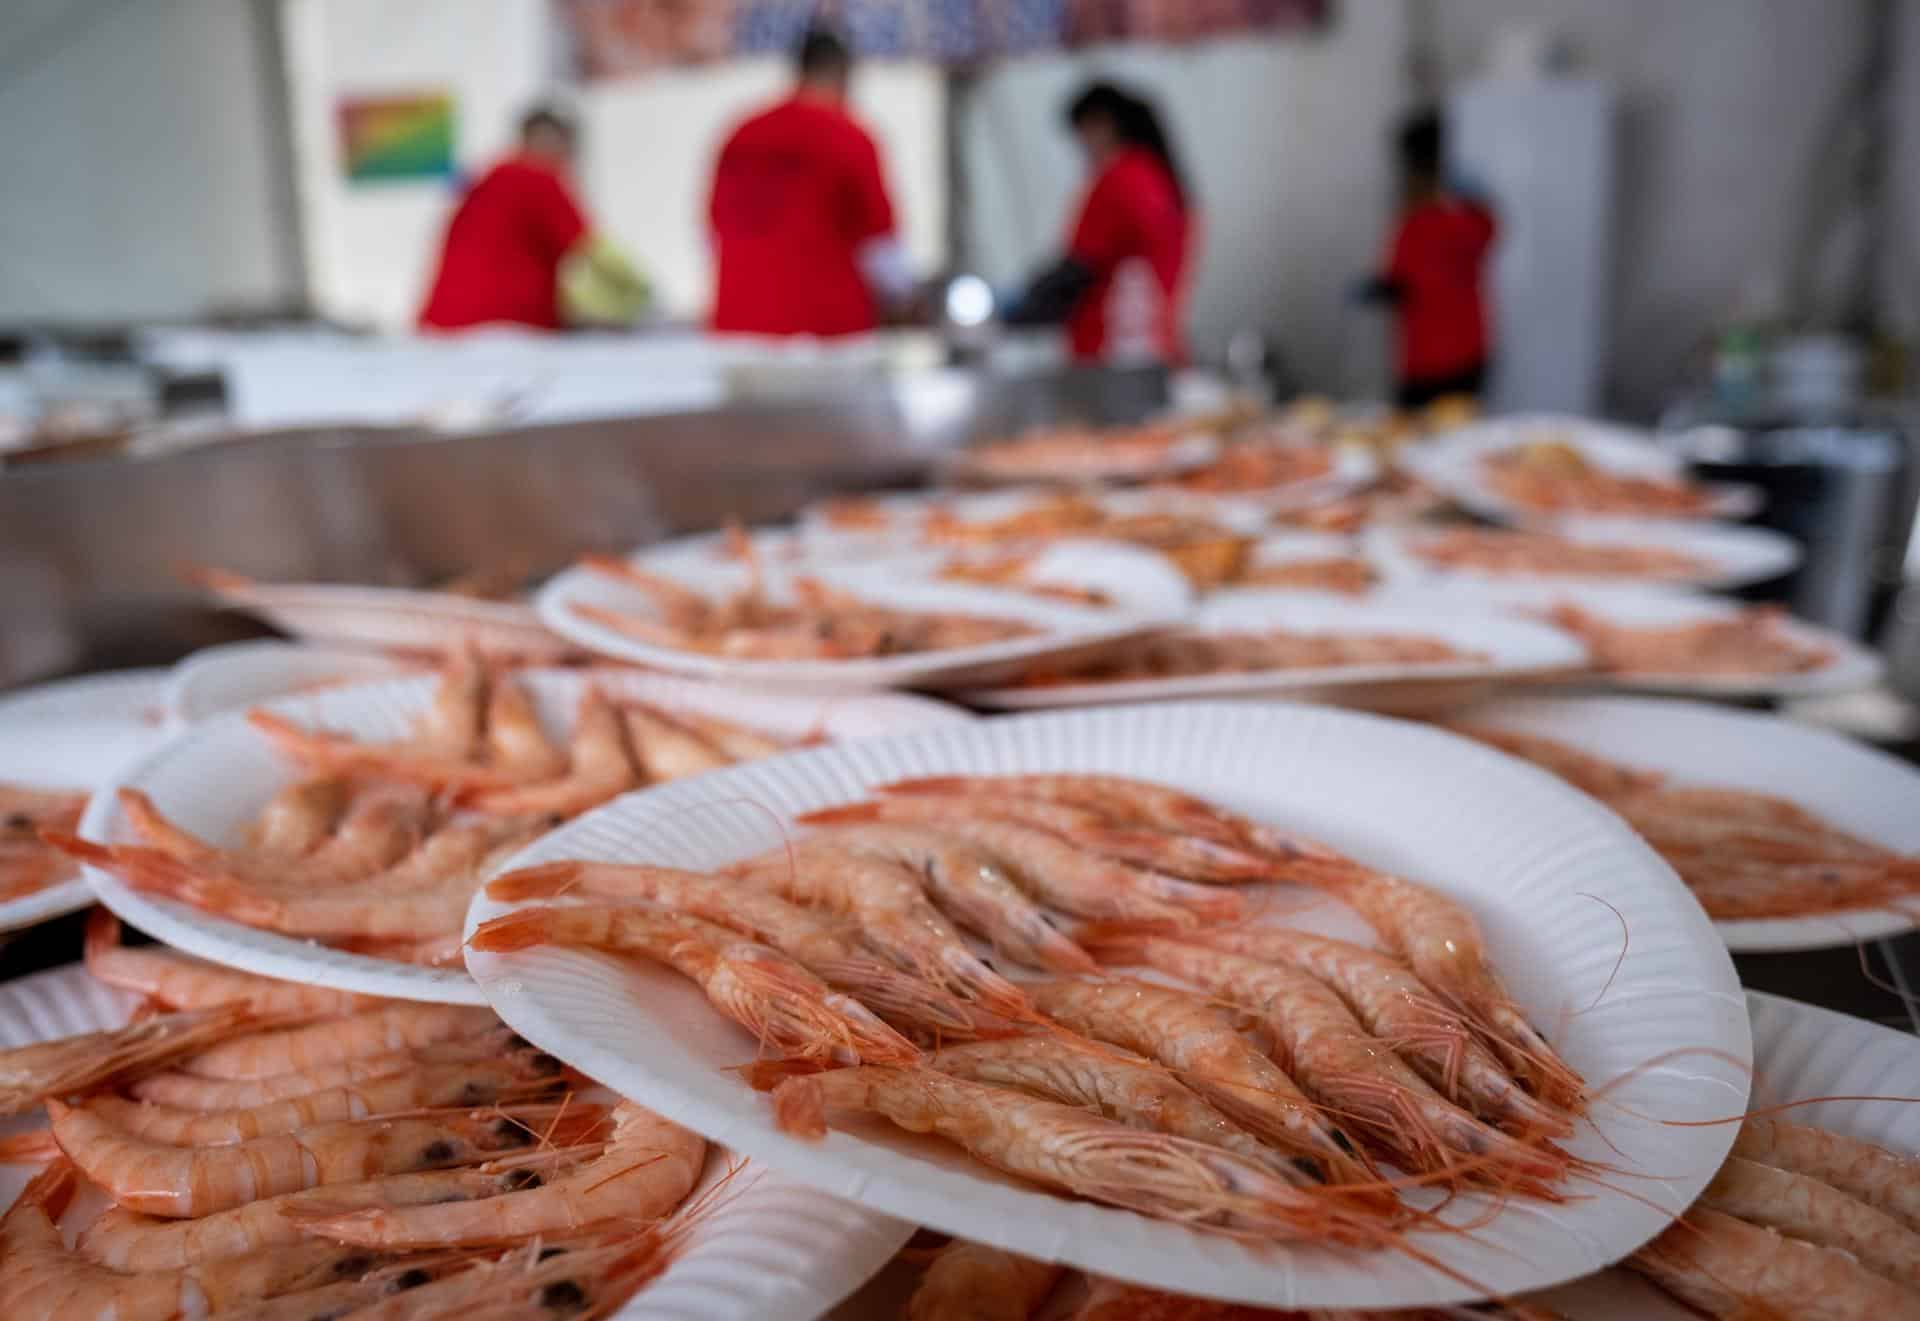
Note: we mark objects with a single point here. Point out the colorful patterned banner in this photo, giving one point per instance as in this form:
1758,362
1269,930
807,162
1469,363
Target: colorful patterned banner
385,138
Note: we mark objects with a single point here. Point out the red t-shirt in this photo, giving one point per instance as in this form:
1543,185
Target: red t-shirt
1439,252
1132,234
500,261
796,191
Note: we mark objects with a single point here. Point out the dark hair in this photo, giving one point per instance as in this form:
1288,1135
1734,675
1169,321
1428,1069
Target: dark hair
1422,142
1134,119
822,52
549,117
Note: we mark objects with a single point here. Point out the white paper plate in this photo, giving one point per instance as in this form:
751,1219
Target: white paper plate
240,675
75,734
1063,628
1519,848
1862,791
215,777
1516,647
1799,1051
391,617
1453,463
772,1248
1730,556
1852,666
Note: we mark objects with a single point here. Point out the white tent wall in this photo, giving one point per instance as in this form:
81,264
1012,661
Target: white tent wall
141,161
1728,104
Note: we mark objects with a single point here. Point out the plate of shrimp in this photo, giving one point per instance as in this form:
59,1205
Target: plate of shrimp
404,619
833,624
285,1150
1270,643
1791,837
1815,1213
1608,550
1665,640
1533,469
339,835
59,742
1076,984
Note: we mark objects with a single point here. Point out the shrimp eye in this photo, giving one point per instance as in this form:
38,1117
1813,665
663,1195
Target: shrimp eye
19,821
562,1293
518,1042
507,1130
1345,1142
437,1151
545,1063
518,1179
351,1266
1310,1168
546,1253
412,1279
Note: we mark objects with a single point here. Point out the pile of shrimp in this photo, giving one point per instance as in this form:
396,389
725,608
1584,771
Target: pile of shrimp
1518,551
1208,552
821,622
28,864
1262,1098
1250,469
1743,854
1077,453
377,848
973,1282
268,1150
1180,655
1749,642
1552,478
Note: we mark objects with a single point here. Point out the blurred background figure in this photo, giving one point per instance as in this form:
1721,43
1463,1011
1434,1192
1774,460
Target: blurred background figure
803,229
519,249
1120,288
1436,264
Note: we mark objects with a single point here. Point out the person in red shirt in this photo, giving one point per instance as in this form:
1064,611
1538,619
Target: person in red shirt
1435,267
501,258
803,230
1120,288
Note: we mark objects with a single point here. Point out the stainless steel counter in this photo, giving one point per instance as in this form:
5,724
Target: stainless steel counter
90,552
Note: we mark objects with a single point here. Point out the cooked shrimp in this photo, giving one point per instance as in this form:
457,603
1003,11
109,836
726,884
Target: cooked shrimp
1442,942
182,982
374,1031
129,1241
973,1282
515,741
1062,1147
1200,1045
1808,1209
31,1074
163,1180
1324,1048
735,742
380,827
588,1278
973,889
648,1167
190,1091
598,769
332,753
1058,1066
1603,779
763,990
1727,1267
886,902
299,818
680,606
450,727
454,1083
1874,1175
41,1280
1053,867
666,749
1398,1009
826,951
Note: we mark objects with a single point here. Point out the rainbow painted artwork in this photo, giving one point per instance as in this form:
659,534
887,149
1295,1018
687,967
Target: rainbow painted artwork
389,138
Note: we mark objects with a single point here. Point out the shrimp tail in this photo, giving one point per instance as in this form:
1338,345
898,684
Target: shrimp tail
511,931
846,814
28,1148
800,1108
52,1190
548,881
767,1075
